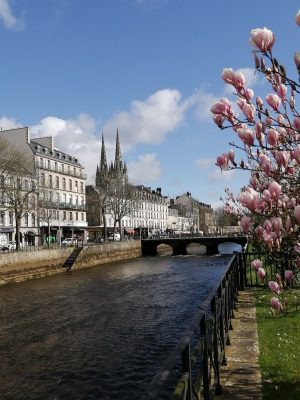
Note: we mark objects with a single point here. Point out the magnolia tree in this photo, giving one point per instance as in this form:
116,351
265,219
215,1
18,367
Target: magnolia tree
268,135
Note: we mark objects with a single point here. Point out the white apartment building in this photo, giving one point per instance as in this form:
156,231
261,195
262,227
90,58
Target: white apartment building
60,192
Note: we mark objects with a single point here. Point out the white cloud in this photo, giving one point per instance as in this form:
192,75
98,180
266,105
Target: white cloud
145,170
9,123
149,121
7,17
218,176
203,101
78,137
205,162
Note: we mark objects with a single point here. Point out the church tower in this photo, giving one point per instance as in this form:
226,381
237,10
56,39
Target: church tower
116,171
102,169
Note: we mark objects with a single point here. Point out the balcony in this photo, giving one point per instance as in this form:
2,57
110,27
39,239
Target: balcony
69,206
77,174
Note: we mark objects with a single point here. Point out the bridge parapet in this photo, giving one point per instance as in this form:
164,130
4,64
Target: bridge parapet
179,244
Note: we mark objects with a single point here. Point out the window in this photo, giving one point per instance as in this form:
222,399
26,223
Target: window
11,218
71,215
41,162
70,184
76,186
64,183
26,184
33,219
81,187
26,219
57,182
49,164
55,165
76,216
82,216
62,167
64,215
50,181
2,218
42,178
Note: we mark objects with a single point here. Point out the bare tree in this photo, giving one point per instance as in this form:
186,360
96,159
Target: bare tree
121,201
17,185
98,200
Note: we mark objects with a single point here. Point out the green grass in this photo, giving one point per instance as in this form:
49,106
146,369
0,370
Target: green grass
279,346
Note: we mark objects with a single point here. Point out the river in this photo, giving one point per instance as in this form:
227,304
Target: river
99,333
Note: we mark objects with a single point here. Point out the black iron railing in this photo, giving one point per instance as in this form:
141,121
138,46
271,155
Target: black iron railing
193,367
272,263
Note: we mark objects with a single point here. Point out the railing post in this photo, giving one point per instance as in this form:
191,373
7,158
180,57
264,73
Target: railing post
218,390
205,366
186,368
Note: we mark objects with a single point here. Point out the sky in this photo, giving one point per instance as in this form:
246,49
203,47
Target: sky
77,69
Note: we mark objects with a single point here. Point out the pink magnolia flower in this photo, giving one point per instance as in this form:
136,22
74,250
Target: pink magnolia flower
277,224
297,213
259,102
297,18
261,273
288,275
246,135
231,156
259,232
222,107
249,94
297,60
296,154
274,101
297,247
275,190
256,264
281,91
273,137
276,304
248,198
218,120
245,223
274,286
282,158
263,39
222,162
233,78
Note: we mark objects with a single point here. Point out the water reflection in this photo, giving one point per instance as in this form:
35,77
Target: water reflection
100,333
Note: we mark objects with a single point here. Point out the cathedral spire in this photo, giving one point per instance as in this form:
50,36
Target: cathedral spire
118,156
102,170
103,160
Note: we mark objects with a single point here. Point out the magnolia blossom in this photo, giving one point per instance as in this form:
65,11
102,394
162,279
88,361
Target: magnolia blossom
261,273
297,60
275,190
274,286
256,264
297,18
233,78
245,223
281,91
274,101
222,161
246,135
263,39
273,137
297,213
249,198
288,275
276,304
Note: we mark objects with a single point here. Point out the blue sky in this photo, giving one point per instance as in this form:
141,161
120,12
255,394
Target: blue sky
151,68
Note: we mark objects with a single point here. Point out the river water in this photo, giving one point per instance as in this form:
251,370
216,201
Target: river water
99,333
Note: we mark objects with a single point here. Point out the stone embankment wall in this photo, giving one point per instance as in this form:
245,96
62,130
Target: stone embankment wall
24,265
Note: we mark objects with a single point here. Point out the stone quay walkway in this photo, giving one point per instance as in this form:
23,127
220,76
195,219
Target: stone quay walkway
241,378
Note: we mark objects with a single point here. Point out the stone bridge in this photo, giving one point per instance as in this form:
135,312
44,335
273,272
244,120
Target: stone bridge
179,244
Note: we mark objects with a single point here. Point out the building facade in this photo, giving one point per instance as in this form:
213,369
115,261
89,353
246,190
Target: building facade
59,196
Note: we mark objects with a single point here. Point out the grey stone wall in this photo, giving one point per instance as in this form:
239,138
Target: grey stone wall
21,266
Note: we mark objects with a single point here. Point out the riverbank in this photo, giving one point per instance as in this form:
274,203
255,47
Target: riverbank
25,265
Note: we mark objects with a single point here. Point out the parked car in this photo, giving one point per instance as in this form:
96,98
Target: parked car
69,242
11,246
115,237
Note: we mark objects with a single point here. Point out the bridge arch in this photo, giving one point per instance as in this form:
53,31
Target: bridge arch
179,244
